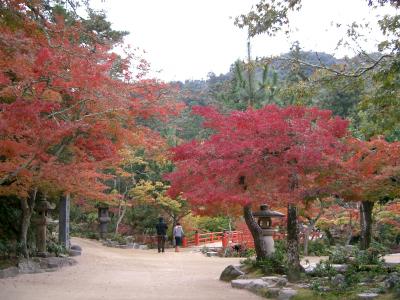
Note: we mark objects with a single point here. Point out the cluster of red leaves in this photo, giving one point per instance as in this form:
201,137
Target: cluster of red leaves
253,155
372,170
65,113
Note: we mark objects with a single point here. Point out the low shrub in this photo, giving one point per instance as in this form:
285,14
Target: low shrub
324,269
340,254
276,263
318,248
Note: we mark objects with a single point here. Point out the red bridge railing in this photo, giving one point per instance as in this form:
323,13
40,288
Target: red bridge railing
226,238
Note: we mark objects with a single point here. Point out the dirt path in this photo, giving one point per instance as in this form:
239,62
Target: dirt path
119,274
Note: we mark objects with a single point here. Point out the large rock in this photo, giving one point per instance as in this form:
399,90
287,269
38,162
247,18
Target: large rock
272,293
338,280
76,247
286,294
56,262
240,283
256,286
310,269
9,272
341,268
275,281
231,272
392,280
28,266
44,264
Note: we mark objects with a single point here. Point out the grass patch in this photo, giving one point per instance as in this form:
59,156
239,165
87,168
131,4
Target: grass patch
305,294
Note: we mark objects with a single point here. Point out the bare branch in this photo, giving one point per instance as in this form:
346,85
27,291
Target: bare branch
357,73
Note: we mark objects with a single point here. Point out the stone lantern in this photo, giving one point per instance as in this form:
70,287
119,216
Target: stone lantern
42,220
264,216
104,219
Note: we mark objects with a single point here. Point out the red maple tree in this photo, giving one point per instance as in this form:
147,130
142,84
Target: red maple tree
371,174
269,155
68,105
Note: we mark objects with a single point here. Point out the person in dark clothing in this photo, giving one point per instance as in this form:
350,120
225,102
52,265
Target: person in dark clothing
161,228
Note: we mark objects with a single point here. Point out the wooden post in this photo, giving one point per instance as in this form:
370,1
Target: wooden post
197,238
225,240
184,242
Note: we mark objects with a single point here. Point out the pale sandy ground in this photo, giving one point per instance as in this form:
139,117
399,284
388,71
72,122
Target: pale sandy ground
119,274
122,274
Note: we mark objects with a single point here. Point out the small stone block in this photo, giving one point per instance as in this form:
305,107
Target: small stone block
367,296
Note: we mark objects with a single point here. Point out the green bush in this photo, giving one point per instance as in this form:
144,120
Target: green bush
213,224
318,248
340,254
276,263
119,239
6,248
324,269
56,248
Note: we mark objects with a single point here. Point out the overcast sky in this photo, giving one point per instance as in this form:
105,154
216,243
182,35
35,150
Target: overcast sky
186,39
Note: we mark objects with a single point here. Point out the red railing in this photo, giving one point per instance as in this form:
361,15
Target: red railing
226,238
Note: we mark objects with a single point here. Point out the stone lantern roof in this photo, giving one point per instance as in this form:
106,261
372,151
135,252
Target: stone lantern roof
266,212
44,206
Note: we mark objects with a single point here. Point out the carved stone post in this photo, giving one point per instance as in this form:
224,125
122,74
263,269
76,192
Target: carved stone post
63,223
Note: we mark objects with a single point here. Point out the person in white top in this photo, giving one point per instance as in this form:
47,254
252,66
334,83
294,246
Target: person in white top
178,234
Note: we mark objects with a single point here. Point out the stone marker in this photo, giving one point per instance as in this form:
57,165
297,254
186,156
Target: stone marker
104,219
63,221
212,253
42,220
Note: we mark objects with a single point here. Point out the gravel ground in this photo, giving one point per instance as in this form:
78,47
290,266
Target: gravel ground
119,274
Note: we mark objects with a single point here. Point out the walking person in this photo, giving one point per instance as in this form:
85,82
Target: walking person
178,234
161,228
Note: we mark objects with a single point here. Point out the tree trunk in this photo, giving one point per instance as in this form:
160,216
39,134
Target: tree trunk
294,267
174,222
307,232
27,206
350,233
121,214
329,236
256,232
366,223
